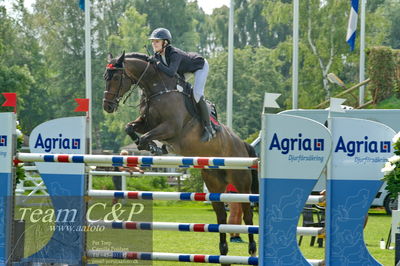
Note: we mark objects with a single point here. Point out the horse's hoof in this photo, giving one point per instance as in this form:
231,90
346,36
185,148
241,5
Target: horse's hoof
223,248
131,132
156,150
164,149
252,249
142,146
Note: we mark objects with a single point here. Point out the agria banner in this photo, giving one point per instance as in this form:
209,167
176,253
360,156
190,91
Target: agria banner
360,150
65,135
65,183
294,151
298,147
7,134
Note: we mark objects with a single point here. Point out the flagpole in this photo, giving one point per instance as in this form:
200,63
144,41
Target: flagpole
295,62
229,97
362,53
88,71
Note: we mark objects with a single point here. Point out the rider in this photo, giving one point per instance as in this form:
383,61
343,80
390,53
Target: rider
172,61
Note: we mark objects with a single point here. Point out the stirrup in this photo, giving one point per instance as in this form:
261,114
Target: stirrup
208,134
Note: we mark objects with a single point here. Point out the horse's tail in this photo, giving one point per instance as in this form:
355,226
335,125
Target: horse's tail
254,173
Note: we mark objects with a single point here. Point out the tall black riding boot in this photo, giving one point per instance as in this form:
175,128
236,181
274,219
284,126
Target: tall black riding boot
208,132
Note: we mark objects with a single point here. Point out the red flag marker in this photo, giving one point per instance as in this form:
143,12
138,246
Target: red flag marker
83,105
11,100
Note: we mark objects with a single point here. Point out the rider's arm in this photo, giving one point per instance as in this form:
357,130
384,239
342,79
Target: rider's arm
174,62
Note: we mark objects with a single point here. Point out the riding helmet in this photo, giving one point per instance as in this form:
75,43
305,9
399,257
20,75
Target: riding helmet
161,34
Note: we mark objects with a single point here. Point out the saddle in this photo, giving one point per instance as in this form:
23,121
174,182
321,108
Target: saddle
187,89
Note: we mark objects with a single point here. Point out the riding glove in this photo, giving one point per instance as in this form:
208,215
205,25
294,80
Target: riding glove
152,59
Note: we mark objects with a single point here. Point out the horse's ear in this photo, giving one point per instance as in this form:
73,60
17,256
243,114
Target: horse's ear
121,59
110,57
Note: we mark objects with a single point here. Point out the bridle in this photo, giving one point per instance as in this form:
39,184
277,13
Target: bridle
116,97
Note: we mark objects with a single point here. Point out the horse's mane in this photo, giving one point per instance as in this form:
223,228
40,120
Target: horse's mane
109,72
141,56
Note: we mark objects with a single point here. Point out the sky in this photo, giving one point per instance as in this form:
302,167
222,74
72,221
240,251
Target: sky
209,5
206,5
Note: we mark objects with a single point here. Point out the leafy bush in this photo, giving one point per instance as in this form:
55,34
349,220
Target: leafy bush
147,183
382,72
392,169
194,183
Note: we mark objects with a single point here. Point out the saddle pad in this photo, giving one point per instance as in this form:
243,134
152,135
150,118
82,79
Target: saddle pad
192,108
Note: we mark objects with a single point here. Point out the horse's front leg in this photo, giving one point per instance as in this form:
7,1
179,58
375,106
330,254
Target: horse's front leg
161,132
138,126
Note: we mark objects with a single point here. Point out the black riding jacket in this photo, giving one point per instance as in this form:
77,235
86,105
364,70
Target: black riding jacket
179,61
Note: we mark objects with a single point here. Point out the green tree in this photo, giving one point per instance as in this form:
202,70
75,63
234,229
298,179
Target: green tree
175,16
256,71
219,21
28,52
105,21
323,27
131,35
21,69
60,25
391,11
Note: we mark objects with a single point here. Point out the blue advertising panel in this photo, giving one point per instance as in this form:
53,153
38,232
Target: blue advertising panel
66,185
7,133
360,149
294,152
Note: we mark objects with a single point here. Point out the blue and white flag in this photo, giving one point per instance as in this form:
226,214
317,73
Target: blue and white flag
81,4
352,27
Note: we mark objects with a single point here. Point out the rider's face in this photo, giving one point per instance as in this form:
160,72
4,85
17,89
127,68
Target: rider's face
157,45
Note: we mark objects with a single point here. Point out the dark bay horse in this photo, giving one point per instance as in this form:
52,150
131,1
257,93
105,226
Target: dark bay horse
164,117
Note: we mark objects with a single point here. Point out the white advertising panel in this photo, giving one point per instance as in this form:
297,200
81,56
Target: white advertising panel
65,135
361,148
296,147
7,130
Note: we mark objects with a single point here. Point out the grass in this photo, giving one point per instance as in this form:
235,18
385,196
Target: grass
184,242
207,243
378,227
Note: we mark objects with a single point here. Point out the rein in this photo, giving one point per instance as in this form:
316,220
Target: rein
147,99
166,90
137,83
124,73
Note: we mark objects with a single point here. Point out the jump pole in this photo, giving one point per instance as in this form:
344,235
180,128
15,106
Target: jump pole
194,227
155,161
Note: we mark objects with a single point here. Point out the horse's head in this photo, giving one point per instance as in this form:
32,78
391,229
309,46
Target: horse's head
117,83
132,68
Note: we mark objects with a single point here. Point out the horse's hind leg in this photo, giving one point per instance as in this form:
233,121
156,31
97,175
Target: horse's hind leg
248,220
219,208
215,181
242,181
